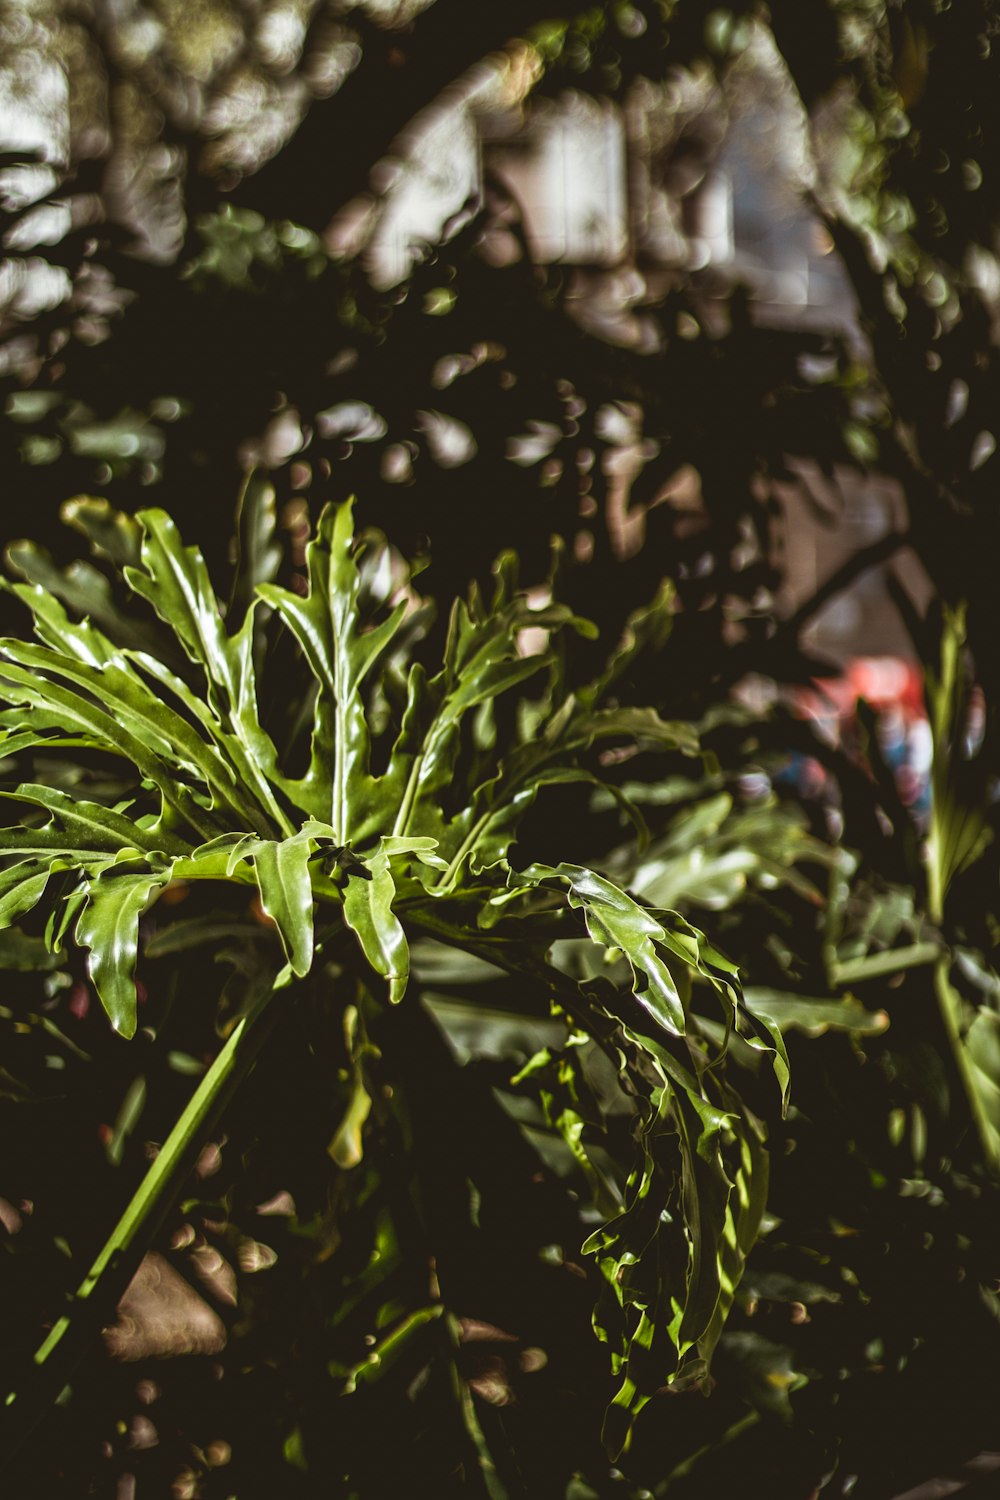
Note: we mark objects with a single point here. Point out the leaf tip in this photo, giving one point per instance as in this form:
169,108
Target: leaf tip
125,1026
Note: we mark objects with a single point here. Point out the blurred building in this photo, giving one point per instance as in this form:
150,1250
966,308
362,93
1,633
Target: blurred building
681,182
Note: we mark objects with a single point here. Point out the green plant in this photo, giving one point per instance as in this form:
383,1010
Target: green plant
387,817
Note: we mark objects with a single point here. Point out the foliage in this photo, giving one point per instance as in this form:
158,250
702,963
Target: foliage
418,848
209,318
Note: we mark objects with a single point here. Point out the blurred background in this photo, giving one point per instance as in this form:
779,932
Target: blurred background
536,274
641,290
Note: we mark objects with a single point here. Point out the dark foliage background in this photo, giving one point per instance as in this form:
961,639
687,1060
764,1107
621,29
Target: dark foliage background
207,326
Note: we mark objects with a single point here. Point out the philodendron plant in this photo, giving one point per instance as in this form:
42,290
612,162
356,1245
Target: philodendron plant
292,743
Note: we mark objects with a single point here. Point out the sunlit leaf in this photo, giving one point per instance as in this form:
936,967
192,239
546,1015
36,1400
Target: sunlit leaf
402,821
282,871
108,927
368,900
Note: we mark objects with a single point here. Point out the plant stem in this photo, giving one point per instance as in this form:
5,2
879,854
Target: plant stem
950,1007
943,699
155,1194
409,796
892,961
469,842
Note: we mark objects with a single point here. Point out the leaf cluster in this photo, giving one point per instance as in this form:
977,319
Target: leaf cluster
390,812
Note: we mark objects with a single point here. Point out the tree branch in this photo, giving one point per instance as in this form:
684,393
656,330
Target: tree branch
841,578
402,72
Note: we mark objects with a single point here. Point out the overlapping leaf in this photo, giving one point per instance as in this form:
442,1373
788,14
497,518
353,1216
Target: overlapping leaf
702,1223
424,841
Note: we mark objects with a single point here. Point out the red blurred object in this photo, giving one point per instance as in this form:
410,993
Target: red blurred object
78,1003
893,688
885,682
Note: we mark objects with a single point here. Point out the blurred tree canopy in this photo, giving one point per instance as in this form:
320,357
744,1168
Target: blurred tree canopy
187,282
193,196
192,159
193,317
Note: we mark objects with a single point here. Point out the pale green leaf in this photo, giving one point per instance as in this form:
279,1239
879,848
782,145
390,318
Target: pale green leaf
282,871
21,888
109,927
77,825
616,921
368,898
82,718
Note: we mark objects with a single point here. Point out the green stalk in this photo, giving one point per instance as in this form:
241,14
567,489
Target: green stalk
338,797
480,826
878,965
158,1189
399,827
409,796
468,843
477,830
950,1004
941,846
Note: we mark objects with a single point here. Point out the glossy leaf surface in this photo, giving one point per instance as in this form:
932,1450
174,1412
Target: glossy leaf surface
391,809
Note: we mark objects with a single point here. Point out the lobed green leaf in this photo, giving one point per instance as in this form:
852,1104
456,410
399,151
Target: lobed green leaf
108,927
